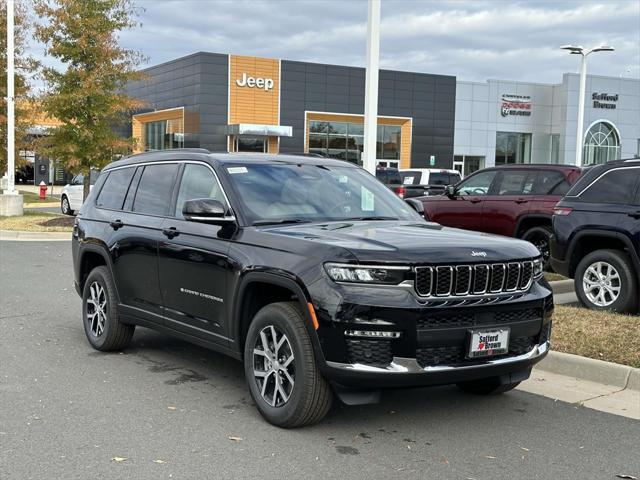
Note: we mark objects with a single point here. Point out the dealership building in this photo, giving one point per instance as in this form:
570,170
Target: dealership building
247,104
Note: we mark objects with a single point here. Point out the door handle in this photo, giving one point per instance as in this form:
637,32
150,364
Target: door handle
635,215
170,232
474,200
116,224
521,200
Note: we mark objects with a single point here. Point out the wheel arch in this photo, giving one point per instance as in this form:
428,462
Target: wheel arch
527,221
92,256
587,241
258,289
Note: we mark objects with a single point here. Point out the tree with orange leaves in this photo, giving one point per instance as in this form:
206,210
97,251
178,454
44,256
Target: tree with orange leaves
87,93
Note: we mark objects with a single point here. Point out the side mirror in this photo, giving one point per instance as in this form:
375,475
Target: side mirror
417,205
206,210
450,191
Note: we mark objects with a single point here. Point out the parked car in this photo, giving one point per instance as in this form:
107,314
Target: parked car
596,236
390,176
320,279
72,193
427,181
513,200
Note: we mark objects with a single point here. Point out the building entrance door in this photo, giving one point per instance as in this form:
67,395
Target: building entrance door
245,143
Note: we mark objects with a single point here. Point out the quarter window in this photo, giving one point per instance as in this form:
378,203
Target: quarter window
115,188
477,184
154,190
616,186
197,181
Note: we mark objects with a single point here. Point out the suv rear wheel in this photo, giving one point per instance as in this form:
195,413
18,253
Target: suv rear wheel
281,370
100,313
605,280
540,236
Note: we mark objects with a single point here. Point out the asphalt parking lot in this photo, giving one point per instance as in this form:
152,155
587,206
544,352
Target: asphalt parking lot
168,409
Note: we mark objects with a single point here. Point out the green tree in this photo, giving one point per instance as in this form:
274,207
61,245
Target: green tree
87,93
25,67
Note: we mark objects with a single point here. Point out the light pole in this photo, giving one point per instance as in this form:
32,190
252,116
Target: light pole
11,165
584,52
371,87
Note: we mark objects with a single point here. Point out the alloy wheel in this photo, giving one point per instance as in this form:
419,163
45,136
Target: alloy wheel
601,284
65,206
274,366
96,309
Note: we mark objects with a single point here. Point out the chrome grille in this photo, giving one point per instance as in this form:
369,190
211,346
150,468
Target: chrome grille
461,280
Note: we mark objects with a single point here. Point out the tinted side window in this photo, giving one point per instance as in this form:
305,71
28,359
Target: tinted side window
478,184
154,190
513,182
616,186
551,182
438,178
454,178
197,181
115,188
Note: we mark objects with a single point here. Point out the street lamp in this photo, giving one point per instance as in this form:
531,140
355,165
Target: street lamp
580,50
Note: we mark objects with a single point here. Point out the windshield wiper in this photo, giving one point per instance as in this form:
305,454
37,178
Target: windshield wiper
280,221
373,217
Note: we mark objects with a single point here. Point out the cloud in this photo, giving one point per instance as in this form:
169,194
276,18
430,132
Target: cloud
473,40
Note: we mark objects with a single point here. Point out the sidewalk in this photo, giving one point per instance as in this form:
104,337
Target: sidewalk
14,235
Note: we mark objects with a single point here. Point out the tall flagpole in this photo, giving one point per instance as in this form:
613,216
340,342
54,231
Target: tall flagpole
371,87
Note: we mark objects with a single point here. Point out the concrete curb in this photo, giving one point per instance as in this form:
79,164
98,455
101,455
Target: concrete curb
607,373
562,286
20,236
41,205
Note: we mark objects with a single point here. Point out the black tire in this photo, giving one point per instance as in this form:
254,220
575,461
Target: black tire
310,397
540,237
65,206
114,335
627,300
486,386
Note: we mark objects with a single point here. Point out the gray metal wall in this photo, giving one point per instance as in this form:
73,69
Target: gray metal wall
428,99
199,83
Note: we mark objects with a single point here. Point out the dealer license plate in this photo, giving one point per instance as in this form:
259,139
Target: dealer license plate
486,343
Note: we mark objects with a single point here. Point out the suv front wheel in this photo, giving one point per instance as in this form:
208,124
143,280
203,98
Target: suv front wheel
281,370
605,280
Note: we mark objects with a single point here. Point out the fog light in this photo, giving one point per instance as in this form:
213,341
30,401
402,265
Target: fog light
371,334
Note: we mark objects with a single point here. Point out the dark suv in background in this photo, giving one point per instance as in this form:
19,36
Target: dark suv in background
596,236
512,200
310,271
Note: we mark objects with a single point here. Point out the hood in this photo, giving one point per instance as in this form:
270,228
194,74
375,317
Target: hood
410,242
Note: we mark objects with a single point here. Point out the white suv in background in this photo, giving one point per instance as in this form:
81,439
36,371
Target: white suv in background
71,196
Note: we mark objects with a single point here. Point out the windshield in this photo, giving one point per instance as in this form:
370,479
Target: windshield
278,193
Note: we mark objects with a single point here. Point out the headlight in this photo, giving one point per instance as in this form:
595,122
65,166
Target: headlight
374,274
538,268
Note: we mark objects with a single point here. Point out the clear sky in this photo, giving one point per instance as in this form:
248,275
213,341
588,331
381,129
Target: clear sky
473,40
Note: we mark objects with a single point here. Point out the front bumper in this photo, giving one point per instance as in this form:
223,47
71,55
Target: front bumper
431,343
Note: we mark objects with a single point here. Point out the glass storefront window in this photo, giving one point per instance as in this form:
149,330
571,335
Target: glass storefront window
513,147
163,134
345,140
555,148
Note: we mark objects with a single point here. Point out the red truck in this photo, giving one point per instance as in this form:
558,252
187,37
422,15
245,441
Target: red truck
512,200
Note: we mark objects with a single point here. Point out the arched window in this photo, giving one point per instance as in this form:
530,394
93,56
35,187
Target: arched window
601,144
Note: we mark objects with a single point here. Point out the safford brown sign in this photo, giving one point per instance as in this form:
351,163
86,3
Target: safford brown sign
604,100
519,105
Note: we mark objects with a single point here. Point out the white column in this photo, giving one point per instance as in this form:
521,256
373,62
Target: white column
11,161
371,87
583,86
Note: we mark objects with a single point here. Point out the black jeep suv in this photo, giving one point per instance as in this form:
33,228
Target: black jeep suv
596,236
309,270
